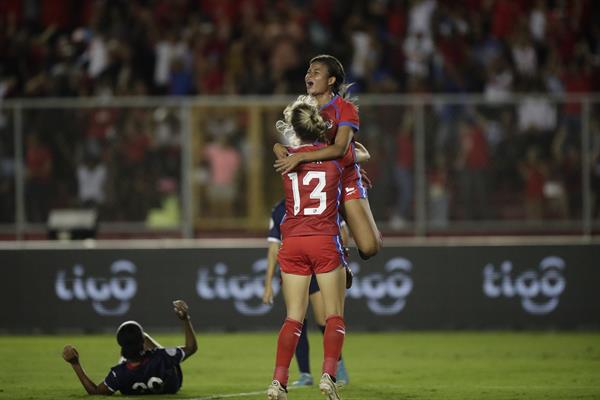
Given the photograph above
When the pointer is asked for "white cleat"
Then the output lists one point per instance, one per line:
(276, 391)
(328, 388)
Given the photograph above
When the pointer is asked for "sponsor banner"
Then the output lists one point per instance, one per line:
(442, 287)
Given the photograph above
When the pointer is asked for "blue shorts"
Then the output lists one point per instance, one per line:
(314, 286)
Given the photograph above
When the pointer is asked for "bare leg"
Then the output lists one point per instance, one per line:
(295, 293)
(333, 288)
(362, 226)
(318, 308)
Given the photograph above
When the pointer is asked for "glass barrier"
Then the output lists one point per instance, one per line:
(7, 167)
(439, 164)
(125, 162)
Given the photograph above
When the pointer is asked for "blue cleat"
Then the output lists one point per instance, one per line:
(342, 374)
(305, 379)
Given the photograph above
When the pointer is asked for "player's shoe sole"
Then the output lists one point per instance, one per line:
(276, 391)
(328, 388)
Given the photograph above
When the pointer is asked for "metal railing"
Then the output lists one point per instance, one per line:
(441, 164)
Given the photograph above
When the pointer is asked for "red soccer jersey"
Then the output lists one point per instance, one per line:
(313, 193)
(339, 112)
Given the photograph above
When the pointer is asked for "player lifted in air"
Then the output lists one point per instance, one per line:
(325, 83)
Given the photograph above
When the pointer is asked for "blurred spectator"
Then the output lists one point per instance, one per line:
(418, 50)
(224, 162)
(537, 22)
(420, 14)
(473, 163)
(91, 182)
(169, 52)
(7, 174)
(499, 82)
(209, 47)
(524, 55)
(236, 47)
(403, 172)
(438, 192)
(38, 161)
(537, 114)
(534, 172)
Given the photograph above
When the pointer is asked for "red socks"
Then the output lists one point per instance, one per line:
(286, 345)
(333, 340)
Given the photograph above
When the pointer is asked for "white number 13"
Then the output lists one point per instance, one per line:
(316, 194)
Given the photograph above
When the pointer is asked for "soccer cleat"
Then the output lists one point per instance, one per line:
(305, 379)
(328, 387)
(276, 391)
(342, 374)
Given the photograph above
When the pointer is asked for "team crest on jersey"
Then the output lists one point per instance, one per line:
(329, 124)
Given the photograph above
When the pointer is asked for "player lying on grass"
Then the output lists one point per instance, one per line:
(146, 367)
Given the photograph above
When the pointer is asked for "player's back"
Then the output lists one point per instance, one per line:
(158, 372)
(312, 195)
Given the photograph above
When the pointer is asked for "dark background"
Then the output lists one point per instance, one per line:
(446, 293)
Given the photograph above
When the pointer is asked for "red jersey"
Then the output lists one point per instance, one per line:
(339, 112)
(313, 192)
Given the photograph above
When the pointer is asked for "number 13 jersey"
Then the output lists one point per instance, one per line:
(313, 192)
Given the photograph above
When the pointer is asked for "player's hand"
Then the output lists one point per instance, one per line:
(268, 295)
(181, 310)
(349, 277)
(285, 165)
(280, 151)
(365, 178)
(70, 354)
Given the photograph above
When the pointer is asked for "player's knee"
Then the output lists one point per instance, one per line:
(369, 249)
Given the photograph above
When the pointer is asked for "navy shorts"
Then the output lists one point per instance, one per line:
(314, 286)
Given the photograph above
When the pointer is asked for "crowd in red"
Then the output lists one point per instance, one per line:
(476, 156)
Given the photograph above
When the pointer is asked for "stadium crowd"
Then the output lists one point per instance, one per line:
(475, 155)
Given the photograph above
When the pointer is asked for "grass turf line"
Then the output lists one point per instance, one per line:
(404, 366)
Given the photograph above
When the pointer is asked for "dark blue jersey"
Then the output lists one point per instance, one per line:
(277, 216)
(158, 372)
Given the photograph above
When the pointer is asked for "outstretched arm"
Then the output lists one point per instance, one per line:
(181, 310)
(71, 356)
(331, 152)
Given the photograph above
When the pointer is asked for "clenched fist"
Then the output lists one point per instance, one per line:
(181, 309)
(70, 354)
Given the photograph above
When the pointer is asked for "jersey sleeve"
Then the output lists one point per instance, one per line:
(275, 223)
(349, 116)
(349, 158)
(176, 354)
(111, 381)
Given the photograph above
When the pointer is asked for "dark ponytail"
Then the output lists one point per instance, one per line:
(335, 69)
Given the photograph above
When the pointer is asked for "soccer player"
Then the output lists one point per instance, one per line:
(315, 298)
(146, 367)
(325, 82)
(311, 244)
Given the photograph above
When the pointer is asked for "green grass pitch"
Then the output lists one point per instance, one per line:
(415, 365)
